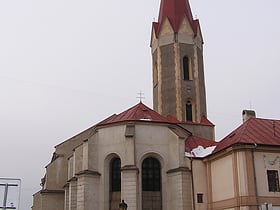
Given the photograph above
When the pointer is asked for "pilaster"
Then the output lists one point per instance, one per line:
(129, 189)
(88, 190)
(72, 194)
(179, 187)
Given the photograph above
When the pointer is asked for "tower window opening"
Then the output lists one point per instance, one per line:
(155, 76)
(186, 68)
(189, 111)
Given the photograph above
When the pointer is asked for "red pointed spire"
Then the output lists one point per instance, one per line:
(175, 11)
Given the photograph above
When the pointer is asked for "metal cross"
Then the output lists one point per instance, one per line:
(141, 96)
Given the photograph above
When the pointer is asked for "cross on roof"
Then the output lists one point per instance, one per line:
(141, 96)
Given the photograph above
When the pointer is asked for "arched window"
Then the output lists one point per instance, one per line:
(115, 172)
(186, 68)
(151, 184)
(189, 111)
(151, 179)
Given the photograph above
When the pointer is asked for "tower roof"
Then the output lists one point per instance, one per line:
(175, 11)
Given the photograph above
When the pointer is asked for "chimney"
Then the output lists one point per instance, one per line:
(247, 114)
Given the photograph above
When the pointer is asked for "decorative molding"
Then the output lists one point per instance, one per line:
(52, 191)
(179, 169)
(130, 130)
(271, 162)
(73, 179)
(130, 168)
(88, 172)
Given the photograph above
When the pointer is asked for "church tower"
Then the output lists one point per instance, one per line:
(177, 56)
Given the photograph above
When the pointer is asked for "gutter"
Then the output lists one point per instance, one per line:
(255, 174)
(193, 197)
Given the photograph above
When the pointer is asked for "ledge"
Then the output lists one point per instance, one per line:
(52, 191)
(88, 172)
(130, 168)
(180, 169)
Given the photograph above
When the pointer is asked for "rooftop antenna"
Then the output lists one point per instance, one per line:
(141, 96)
(250, 105)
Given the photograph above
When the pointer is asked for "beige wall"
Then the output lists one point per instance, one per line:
(200, 183)
(48, 200)
(222, 179)
(56, 174)
(154, 140)
(242, 180)
(266, 161)
(232, 177)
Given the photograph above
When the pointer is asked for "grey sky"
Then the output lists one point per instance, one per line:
(65, 65)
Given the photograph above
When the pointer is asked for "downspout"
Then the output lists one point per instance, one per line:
(193, 195)
(255, 174)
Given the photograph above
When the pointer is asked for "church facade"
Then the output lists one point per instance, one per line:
(167, 157)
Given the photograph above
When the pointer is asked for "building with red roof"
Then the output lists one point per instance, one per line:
(167, 157)
(242, 170)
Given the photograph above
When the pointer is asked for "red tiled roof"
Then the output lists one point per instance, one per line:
(172, 119)
(175, 11)
(205, 121)
(136, 113)
(193, 142)
(253, 131)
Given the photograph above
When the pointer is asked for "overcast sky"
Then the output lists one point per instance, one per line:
(65, 65)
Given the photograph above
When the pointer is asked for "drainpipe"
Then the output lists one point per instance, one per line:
(255, 174)
(193, 197)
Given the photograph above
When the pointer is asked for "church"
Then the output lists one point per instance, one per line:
(166, 157)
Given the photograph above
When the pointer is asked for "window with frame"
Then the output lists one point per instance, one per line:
(189, 111)
(115, 175)
(199, 198)
(151, 178)
(273, 181)
(186, 68)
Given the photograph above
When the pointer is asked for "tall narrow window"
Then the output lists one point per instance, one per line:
(116, 175)
(151, 175)
(199, 198)
(115, 184)
(189, 111)
(151, 184)
(155, 74)
(273, 181)
(186, 68)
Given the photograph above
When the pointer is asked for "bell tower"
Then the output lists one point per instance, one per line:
(177, 59)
